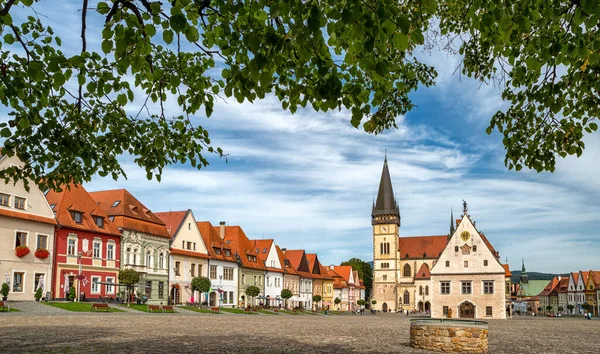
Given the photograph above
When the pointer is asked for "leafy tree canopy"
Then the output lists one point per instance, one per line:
(72, 114)
(316, 298)
(201, 284)
(360, 302)
(286, 294)
(337, 301)
(253, 290)
(373, 302)
(364, 272)
(129, 277)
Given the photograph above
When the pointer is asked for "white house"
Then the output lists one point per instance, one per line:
(274, 278)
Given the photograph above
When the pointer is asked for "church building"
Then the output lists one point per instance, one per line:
(454, 275)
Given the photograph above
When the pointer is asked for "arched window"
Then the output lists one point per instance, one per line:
(406, 271)
(161, 260)
(148, 259)
(128, 255)
(135, 257)
(426, 289)
(406, 297)
(381, 248)
(387, 244)
(420, 290)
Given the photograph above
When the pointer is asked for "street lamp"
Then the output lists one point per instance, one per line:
(79, 254)
(220, 290)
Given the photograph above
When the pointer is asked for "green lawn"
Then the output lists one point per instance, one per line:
(198, 309)
(11, 310)
(237, 311)
(76, 306)
(266, 312)
(142, 308)
(291, 312)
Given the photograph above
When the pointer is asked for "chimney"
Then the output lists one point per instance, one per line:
(222, 229)
(283, 250)
(559, 277)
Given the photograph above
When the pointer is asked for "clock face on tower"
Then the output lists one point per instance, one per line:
(384, 229)
(465, 235)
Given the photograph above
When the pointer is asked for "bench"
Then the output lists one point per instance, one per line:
(152, 308)
(247, 309)
(100, 306)
(215, 310)
(276, 311)
(168, 308)
(4, 307)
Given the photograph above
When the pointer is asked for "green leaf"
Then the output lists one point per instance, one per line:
(403, 23)
(388, 27)
(107, 46)
(36, 70)
(400, 41)
(122, 99)
(533, 63)
(168, 36)
(192, 34)
(150, 30)
(24, 123)
(430, 6)
(5, 133)
(593, 126)
(178, 22)
(9, 38)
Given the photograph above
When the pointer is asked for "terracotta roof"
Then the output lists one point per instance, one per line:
(313, 265)
(344, 272)
(489, 245)
(74, 198)
(563, 285)
(324, 272)
(172, 220)
(421, 246)
(189, 253)
(550, 287)
(597, 278)
(575, 277)
(129, 213)
(423, 272)
(585, 277)
(507, 272)
(242, 247)
(332, 273)
(262, 248)
(26, 216)
(212, 240)
(288, 268)
(298, 260)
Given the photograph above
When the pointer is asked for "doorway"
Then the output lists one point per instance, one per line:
(384, 307)
(466, 310)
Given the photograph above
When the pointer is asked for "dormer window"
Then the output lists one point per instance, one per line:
(99, 221)
(117, 202)
(77, 216)
(264, 250)
(112, 218)
(19, 203)
(217, 251)
(52, 206)
(227, 253)
(133, 208)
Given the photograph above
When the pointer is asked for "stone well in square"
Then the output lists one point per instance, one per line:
(445, 335)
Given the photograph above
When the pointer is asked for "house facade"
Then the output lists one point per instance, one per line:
(85, 239)
(300, 263)
(590, 291)
(222, 265)
(423, 284)
(318, 278)
(267, 253)
(145, 242)
(328, 298)
(188, 255)
(26, 222)
(291, 279)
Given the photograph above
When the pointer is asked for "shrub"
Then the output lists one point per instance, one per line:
(337, 301)
(72, 293)
(374, 302)
(360, 302)
(201, 284)
(38, 294)
(316, 298)
(5, 290)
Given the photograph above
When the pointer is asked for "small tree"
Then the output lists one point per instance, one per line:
(201, 284)
(72, 293)
(129, 277)
(285, 295)
(540, 309)
(586, 307)
(253, 291)
(518, 312)
(549, 308)
(529, 308)
(5, 290)
(337, 301)
(360, 302)
(560, 309)
(38, 294)
(570, 308)
(373, 302)
(316, 299)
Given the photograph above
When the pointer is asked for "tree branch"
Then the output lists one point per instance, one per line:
(83, 48)
(7, 7)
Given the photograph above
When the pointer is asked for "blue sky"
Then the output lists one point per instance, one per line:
(308, 180)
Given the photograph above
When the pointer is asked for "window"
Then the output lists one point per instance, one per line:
(420, 290)
(488, 311)
(199, 270)
(384, 277)
(177, 266)
(485, 262)
(193, 270)
(148, 259)
(385, 265)
(465, 287)
(406, 297)
(77, 216)
(488, 287)
(445, 287)
(255, 280)
(161, 289)
(42, 242)
(189, 245)
(447, 263)
(135, 252)
(95, 285)
(213, 272)
(110, 251)
(182, 245)
(161, 260)
(227, 253)
(21, 239)
(243, 278)
(99, 221)
(406, 272)
(189, 225)
(384, 248)
(227, 273)
(115, 203)
(455, 248)
(4, 199)
(231, 297)
(474, 248)
(466, 264)
(194, 246)
(109, 288)
(19, 203)
(71, 247)
(18, 279)
(36, 280)
(149, 289)
(97, 246)
(445, 310)
(426, 290)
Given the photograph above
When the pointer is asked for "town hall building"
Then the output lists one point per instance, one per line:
(456, 275)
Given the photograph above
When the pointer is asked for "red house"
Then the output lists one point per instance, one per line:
(87, 246)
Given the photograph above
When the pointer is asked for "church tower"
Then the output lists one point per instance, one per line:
(385, 218)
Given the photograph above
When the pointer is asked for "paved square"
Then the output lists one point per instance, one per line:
(192, 333)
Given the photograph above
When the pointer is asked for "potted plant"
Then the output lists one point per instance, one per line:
(41, 253)
(21, 251)
(38, 294)
(5, 290)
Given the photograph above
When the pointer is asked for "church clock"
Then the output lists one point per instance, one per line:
(465, 236)
(384, 229)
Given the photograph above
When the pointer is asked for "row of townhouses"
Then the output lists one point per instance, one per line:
(79, 239)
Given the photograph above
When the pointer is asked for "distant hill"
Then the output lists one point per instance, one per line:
(516, 276)
(371, 264)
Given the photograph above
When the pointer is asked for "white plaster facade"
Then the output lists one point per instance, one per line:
(226, 283)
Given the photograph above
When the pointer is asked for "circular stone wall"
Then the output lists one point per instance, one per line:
(449, 335)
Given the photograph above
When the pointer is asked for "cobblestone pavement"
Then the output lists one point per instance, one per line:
(36, 307)
(116, 333)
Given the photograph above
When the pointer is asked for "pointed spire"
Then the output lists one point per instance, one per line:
(386, 202)
(524, 278)
(451, 222)
(523, 265)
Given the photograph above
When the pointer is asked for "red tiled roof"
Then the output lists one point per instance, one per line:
(507, 272)
(563, 285)
(597, 278)
(26, 216)
(585, 276)
(212, 240)
(324, 272)
(550, 287)
(129, 213)
(263, 246)
(421, 246)
(344, 272)
(313, 265)
(241, 245)
(575, 277)
(172, 220)
(423, 272)
(75, 198)
(295, 257)
(283, 260)
(489, 245)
